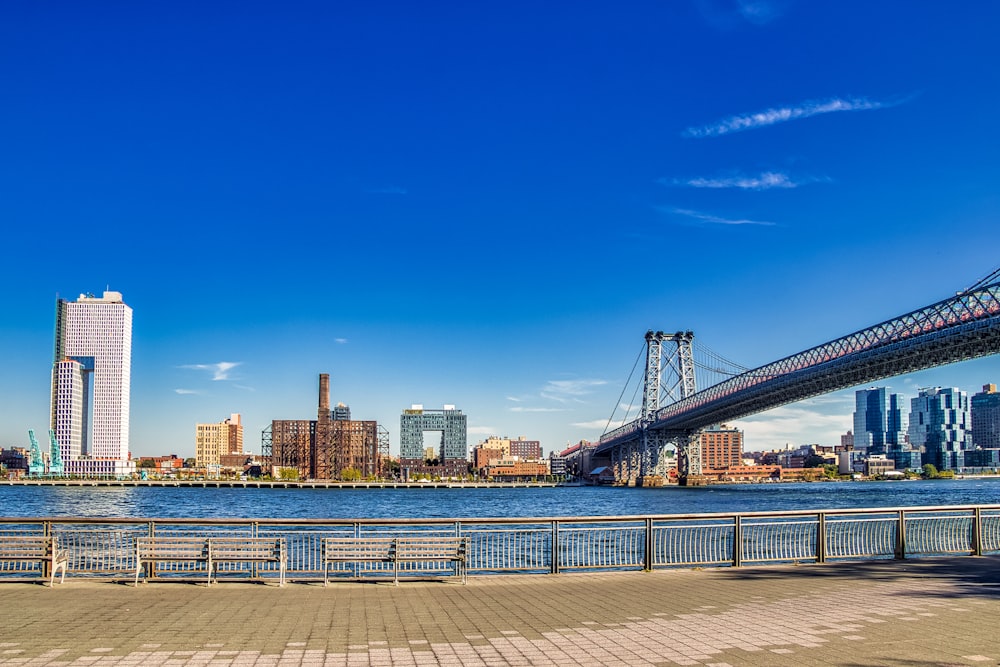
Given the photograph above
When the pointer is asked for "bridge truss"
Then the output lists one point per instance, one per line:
(963, 327)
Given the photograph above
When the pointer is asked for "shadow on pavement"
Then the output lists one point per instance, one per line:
(978, 576)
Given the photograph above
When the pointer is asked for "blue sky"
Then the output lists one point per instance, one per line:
(484, 206)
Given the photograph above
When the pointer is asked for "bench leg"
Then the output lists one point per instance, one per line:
(61, 568)
(138, 569)
(281, 575)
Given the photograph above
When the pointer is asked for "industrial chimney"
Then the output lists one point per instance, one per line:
(324, 396)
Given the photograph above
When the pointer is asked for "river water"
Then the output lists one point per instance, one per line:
(201, 502)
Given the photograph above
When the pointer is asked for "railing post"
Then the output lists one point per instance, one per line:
(648, 557)
(254, 532)
(554, 565)
(150, 566)
(977, 532)
(458, 533)
(47, 532)
(737, 541)
(821, 538)
(901, 535)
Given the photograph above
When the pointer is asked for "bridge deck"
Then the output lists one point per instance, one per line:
(925, 612)
(963, 327)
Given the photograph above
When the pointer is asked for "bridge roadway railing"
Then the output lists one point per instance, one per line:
(105, 548)
(962, 327)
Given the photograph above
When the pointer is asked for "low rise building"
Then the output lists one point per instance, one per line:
(878, 465)
(213, 441)
(515, 468)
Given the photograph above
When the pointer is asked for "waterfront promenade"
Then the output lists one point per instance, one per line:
(914, 613)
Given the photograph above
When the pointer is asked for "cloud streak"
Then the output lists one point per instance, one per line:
(220, 370)
(713, 219)
(186, 392)
(764, 181)
(594, 424)
(797, 424)
(775, 115)
(519, 408)
(565, 391)
(759, 12)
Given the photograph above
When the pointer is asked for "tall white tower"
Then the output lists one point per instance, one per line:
(91, 375)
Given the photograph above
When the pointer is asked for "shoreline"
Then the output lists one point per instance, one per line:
(280, 484)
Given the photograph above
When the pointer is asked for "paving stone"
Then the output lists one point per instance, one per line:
(934, 611)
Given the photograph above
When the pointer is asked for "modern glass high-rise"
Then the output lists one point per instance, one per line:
(449, 421)
(880, 421)
(986, 418)
(940, 426)
(91, 374)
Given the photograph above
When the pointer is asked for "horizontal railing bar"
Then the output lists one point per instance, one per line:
(494, 520)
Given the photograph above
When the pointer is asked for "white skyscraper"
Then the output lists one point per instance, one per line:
(90, 384)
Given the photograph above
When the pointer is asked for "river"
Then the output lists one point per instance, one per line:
(200, 502)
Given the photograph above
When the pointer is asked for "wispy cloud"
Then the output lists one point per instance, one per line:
(759, 12)
(388, 190)
(594, 424)
(514, 398)
(776, 115)
(730, 15)
(244, 387)
(340, 341)
(481, 430)
(763, 181)
(220, 370)
(565, 391)
(521, 408)
(712, 219)
(798, 424)
(185, 392)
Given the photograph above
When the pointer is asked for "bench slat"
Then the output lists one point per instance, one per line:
(43, 549)
(394, 550)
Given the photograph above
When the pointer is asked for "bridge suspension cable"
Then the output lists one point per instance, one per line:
(984, 281)
(714, 367)
(618, 403)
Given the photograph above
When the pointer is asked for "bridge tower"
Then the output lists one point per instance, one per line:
(680, 364)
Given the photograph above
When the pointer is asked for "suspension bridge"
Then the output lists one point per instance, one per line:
(674, 411)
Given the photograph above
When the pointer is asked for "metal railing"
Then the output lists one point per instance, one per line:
(106, 547)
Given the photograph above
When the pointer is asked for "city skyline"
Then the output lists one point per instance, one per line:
(485, 208)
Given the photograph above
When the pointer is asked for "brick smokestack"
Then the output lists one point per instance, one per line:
(324, 394)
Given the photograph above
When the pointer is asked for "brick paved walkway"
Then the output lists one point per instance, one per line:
(913, 614)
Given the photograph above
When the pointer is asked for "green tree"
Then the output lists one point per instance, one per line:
(814, 461)
(147, 463)
(350, 474)
(190, 462)
(288, 473)
(930, 471)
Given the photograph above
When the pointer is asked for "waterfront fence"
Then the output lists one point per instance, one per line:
(105, 547)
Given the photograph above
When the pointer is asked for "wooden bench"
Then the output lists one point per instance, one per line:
(41, 549)
(357, 550)
(432, 549)
(248, 550)
(171, 548)
(395, 550)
